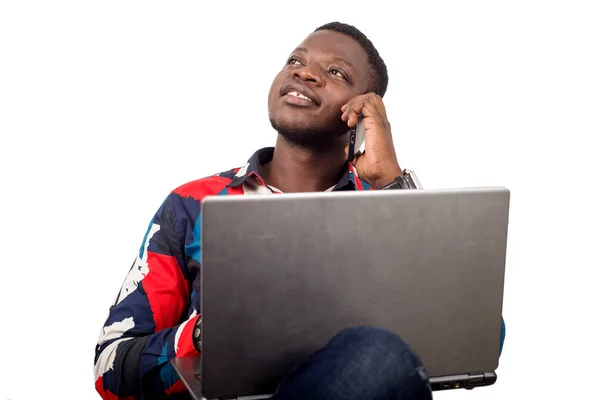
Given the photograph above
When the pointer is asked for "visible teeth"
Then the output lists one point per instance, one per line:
(299, 95)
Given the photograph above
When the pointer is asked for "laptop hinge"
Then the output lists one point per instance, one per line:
(476, 378)
(481, 379)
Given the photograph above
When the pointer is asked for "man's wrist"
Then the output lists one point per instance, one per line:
(388, 178)
(407, 180)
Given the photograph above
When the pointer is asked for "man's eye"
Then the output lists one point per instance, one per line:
(337, 73)
(293, 61)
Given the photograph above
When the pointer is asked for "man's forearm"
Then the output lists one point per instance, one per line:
(132, 367)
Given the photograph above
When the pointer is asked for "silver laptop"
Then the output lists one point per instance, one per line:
(282, 274)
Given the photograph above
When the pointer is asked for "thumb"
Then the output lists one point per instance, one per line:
(358, 160)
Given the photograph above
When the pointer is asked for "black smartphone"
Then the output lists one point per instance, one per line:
(357, 139)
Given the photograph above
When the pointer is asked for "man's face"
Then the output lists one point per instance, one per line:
(321, 75)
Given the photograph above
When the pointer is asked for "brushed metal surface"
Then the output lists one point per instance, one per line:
(186, 368)
(283, 274)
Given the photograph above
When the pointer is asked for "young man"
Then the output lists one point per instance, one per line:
(332, 77)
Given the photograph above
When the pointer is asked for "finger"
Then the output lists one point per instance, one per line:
(347, 109)
(353, 118)
(350, 117)
(369, 105)
(374, 108)
(354, 100)
(368, 109)
(377, 102)
(355, 105)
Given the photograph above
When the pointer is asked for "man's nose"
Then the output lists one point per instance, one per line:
(309, 74)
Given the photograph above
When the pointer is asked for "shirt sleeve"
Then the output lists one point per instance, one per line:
(148, 323)
(502, 335)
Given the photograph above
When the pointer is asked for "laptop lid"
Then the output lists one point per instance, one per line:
(283, 274)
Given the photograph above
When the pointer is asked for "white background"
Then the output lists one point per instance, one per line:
(107, 106)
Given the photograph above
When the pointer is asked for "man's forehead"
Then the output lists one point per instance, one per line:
(335, 45)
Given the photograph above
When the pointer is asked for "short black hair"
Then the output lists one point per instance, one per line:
(379, 75)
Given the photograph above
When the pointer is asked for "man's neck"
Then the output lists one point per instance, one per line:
(297, 169)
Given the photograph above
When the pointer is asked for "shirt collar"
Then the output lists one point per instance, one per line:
(252, 170)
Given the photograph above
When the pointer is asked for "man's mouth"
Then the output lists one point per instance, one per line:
(300, 95)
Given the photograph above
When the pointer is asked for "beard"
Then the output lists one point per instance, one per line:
(309, 136)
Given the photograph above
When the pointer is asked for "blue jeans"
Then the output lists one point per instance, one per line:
(362, 363)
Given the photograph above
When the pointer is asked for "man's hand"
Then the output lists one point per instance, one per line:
(378, 164)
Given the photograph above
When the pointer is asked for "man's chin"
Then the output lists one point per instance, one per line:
(307, 136)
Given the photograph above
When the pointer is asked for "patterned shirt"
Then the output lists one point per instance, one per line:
(152, 319)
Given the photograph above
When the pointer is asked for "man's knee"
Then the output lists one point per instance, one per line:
(359, 363)
(383, 357)
(375, 341)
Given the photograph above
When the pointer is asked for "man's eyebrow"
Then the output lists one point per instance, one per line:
(334, 58)
(342, 61)
(301, 49)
